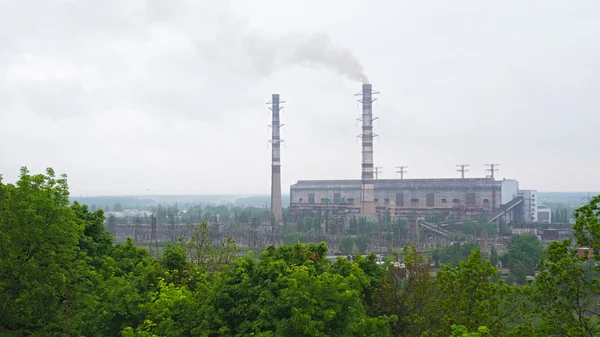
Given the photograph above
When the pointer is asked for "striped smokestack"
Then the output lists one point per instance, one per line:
(276, 207)
(367, 187)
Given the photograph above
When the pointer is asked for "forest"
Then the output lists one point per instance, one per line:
(61, 274)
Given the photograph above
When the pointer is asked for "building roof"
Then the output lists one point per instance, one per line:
(383, 183)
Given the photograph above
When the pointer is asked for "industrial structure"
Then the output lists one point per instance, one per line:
(410, 198)
(276, 204)
(367, 135)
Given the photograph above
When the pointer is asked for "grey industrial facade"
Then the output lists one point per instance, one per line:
(480, 194)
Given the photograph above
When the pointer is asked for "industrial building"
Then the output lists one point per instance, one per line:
(410, 198)
(468, 197)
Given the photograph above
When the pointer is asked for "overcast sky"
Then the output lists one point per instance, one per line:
(168, 97)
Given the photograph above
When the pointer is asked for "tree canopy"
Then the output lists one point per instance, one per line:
(62, 275)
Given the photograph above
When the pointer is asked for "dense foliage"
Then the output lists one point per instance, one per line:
(61, 275)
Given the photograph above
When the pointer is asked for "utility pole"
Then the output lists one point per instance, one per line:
(401, 171)
(492, 169)
(463, 169)
(377, 171)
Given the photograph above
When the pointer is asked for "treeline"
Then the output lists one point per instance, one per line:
(61, 275)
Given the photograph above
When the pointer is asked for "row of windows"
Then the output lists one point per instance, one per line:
(399, 200)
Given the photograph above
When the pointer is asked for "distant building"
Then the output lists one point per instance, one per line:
(400, 195)
(584, 250)
(522, 231)
(550, 235)
(529, 205)
(399, 198)
(544, 214)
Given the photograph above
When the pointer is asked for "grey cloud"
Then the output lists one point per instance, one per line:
(250, 52)
(56, 98)
(174, 91)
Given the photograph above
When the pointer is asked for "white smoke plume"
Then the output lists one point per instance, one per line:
(249, 52)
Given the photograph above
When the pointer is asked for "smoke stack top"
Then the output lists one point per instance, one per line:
(367, 86)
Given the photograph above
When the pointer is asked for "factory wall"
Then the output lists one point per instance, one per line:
(413, 193)
(510, 190)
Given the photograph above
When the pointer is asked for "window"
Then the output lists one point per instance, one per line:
(376, 199)
(350, 201)
(414, 202)
(444, 201)
(337, 198)
(399, 199)
(300, 200)
(323, 200)
(486, 201)
(311, 198)
(456, 201)
(386, 201)
(429, 200)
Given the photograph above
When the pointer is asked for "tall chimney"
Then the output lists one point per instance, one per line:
(367, 187)
(276, 207)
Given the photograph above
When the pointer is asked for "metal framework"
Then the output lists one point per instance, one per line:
(492, 169)
(401, 171)
(462, 169)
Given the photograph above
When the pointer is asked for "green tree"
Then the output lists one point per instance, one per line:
(202, 251)
(563, 298)
(494, 256)
(469, 297)
(39, 236)
(406, 291)
(288, 293)
(362, 243)
(346, 245)
(118, 208)
(174, 258)
(453, 254)
(565, 294)
(96, 242)
(524, 253)
(461, 331)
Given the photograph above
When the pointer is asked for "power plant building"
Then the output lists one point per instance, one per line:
(412, 198)
(468, 196)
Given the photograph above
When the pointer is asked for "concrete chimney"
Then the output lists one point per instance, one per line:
(367, 187)
(276, 204)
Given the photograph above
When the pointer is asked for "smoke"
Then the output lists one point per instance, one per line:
(250, 52)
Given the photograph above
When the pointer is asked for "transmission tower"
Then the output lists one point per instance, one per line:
(378, 170)
(401, 171)
(492, 169)
(136, 229)
(153, 238)
(463, 168)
